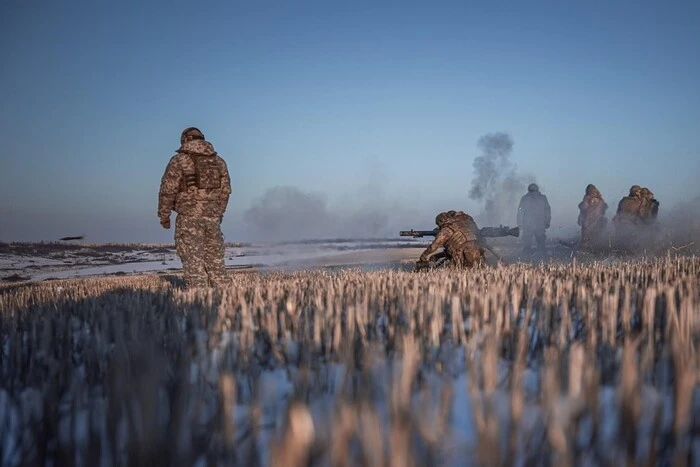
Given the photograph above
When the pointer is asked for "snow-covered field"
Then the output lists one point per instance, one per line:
(61, 261)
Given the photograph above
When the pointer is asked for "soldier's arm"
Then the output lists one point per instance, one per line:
(438, 242)
(225, 186)
(547, 213)
(169, 186)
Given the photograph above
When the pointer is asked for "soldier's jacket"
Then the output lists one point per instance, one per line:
(629, 210)
(534, 211)
(196, 182)
(592, 209)
(649, 208)
(454, 236)
(464, 220)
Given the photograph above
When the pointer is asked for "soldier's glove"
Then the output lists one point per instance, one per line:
(165, 222)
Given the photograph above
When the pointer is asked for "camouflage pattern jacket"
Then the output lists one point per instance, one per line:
(454, 236)
(592, 209)
(196, 182)
(649, 208)
(534, 211)
(629, 210)
(464, 220)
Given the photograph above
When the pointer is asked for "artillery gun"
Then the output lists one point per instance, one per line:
(439, 259)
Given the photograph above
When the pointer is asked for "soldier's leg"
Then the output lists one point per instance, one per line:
(540, 238)
(458, 259)
(526, 238)
(585, 236)
(188, 235)
(473, 257)
(214, 253)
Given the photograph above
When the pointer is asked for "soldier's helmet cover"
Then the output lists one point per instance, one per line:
(190, 134)
(646, 193)
(441, 218)
(635, 190)
(533, 187)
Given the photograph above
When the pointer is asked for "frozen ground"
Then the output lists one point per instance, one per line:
(38, 262)
(31, 262)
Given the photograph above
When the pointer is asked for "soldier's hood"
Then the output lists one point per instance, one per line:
(591, 190)
(197, 147)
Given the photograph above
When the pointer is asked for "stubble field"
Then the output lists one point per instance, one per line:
(550, 364)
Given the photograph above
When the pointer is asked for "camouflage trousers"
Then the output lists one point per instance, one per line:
(200, 246)
(593, 237)
(468, 257)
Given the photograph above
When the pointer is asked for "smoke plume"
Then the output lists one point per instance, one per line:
(496, 182)
(285, 213)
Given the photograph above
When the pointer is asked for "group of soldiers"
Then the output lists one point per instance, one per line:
(458, 232)
(196, 185)
(634, 223)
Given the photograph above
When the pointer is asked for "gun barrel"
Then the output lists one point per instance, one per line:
(417, 233)
(499, 232)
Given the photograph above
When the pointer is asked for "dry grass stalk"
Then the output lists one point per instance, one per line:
(130, 368)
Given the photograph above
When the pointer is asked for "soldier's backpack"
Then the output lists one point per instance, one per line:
(207, 173)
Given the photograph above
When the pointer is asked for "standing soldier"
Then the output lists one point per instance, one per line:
(591, 217)
(628, 219)
(196, 185)
(534, 217)
(458, 240)
(648, 211)
(650, 206)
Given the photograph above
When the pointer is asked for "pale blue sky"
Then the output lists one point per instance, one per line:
(318, 95)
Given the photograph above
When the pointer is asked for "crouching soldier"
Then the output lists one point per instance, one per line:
(458, 240)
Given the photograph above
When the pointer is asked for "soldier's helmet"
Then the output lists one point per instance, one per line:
(190, 133)
(441, 218)
(635, 190)
(533, 187)
(646, 193)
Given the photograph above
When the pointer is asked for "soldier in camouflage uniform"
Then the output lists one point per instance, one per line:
(534, 218)
(647, 212)
(591, 217)
(628, 220)
(458, 240)
(650, 206)
(196, 185)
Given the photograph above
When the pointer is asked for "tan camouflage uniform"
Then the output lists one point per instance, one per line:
(650, 207)
(591, 216)
(647, 212)
(196, 185)
(534, 217)
(628, 219)
(458, 240)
